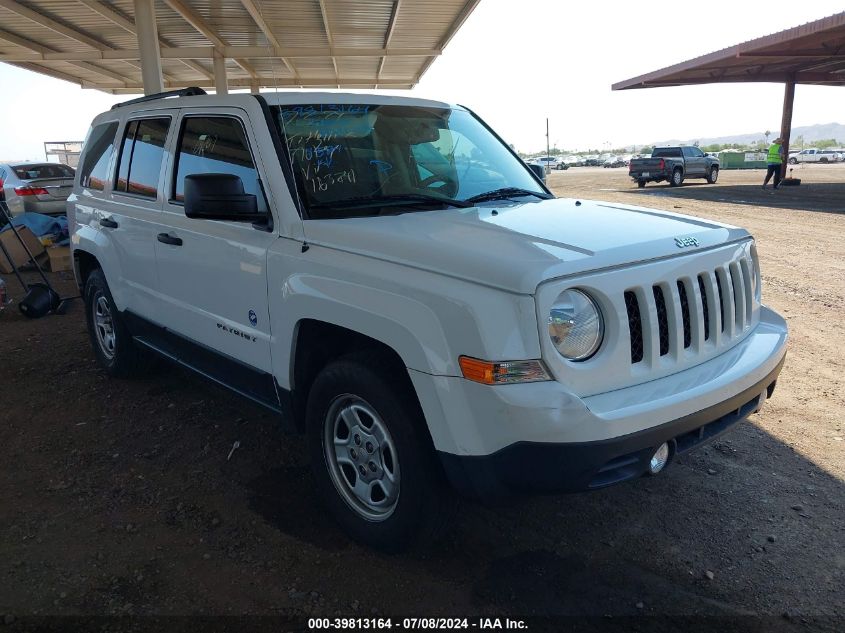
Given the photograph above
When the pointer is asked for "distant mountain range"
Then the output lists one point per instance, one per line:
(811, 133)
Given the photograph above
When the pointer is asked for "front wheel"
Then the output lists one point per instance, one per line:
(713, 176)
(793, 161)
(677, 178)
(371, 457)
(641, 184)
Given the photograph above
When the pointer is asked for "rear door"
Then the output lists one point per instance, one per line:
(212, 274)
(129, 218)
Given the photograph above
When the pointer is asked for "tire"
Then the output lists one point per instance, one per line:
(641, 184)
(677, 178)
(713, 176)
(362, 419)
(113, 346)
(823, 160)
(792, 161)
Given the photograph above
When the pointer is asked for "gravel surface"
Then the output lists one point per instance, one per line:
(121, 497)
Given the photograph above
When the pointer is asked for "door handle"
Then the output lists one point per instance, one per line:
(164, 238)
(108, 223)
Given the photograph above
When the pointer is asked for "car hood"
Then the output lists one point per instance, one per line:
(516, 246)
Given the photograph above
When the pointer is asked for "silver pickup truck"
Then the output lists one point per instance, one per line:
(674, 164)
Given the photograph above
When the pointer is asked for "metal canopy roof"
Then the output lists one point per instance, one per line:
(263, 43)
(813, 53)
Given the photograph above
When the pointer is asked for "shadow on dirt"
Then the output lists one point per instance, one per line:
(823, 197)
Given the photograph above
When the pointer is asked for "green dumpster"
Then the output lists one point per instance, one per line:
(742, 160)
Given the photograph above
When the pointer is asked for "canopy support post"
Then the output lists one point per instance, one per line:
(145, 24)
(786, 122)
(221, 86)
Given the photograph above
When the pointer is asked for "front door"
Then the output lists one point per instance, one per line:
(212, 274)
(693, 162)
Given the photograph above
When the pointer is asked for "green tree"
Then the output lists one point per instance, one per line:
(827, 143)
(646, 150)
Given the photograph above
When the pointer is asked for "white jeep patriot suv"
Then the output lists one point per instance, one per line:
(397, 284)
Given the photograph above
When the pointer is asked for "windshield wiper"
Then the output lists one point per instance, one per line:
(394, 199)
(506, 192)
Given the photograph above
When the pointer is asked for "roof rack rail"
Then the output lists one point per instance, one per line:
(182, 92)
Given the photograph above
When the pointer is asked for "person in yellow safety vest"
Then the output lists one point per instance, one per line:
(774, 160)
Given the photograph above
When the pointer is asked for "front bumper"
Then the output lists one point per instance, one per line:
(540, 436)
(571, 467)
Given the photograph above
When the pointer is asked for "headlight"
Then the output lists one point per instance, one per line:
(575, 325)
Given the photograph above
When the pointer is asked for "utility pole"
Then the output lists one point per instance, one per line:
(548, 167)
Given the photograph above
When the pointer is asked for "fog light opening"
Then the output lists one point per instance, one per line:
(659, 459)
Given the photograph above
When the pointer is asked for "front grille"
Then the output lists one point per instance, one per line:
(678, 316)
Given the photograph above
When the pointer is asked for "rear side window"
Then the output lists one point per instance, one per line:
(666, 152)
(94, 167)
(215, 145)
(141, 156)
(45, 170)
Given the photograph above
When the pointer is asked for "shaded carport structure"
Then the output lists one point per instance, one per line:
(132, 46)
(813, 53)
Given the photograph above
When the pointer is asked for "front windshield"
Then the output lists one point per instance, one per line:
(350, 158)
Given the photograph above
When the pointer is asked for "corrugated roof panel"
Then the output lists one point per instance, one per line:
(365, 67)
(294, 24)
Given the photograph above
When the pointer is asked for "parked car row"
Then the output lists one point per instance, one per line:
(565, 162)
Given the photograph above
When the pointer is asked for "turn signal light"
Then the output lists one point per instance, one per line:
(490, 373)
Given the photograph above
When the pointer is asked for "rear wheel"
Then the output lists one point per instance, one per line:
(113, 346)
(823, 160)
(371, 456)
(677, 178)
(713, 176)
(641, 184)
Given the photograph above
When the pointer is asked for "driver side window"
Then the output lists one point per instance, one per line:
(215, 145)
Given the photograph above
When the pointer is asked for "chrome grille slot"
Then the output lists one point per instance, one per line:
(726, 294)
(635, 326)
(745, 266)
(682, 294)
(662, 319)
(721, 302)
(739, 295)
(705, 308)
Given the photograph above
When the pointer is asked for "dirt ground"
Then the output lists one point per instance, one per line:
(122, 497)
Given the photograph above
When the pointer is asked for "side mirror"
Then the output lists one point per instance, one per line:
(220, 197)
(538, 170)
